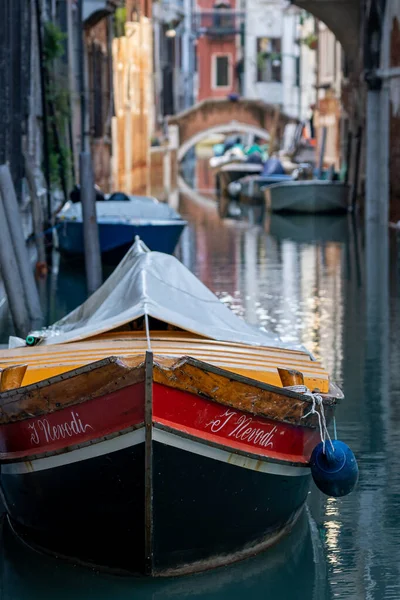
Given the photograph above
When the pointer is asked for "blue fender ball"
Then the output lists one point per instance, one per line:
(335, 473)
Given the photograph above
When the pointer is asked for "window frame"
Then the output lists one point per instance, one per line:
(215, 56)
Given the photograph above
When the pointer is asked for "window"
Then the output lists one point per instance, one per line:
(269, 60)
(221, 71)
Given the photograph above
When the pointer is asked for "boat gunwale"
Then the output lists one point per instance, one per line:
(306, 183)
(11, 397)
(131, 221)
(327, 398)
(184, 359)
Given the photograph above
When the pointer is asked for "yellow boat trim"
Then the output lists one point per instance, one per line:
(252, 361)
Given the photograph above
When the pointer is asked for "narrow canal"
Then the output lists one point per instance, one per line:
(303, 278)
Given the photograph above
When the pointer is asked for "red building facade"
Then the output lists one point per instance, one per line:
(218, 52)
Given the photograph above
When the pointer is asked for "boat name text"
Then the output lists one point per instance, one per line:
(242, 431)
(43, 431)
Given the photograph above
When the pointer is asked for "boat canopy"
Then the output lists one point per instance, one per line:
(160, 286)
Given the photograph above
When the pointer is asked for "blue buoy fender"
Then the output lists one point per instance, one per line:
(335, 471)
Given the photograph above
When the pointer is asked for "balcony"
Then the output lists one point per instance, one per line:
(219, 22)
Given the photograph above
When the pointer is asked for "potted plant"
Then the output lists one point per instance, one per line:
(311, 40)
(275, 57)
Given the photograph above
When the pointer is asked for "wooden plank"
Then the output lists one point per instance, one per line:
(256, 362)
(138, 337)
(233, 358)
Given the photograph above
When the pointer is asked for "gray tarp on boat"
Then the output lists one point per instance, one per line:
(160, 286)
(138, 209)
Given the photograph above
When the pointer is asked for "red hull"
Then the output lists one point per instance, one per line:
(177, 411)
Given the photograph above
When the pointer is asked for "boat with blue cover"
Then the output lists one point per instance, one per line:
(157, 224)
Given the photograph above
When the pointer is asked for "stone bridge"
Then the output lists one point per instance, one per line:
(211, 116)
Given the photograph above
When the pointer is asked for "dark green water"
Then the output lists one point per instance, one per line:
(306, 280)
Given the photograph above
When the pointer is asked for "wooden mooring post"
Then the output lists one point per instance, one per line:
(11, 277)
(24, 268)
(91, 240)
(37, 212)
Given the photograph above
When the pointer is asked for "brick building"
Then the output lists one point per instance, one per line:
(217, 26)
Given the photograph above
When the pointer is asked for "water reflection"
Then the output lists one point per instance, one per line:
(303, 278)
(28, 575)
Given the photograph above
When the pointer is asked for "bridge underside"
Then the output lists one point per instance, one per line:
(343, 19)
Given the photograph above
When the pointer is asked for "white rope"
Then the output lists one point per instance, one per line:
(146, 320)
(317, 402)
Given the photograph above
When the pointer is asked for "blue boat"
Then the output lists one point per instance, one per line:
(157, 224)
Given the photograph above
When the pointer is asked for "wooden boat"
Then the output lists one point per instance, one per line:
(307, 196)
(158, 225)
(152, 431)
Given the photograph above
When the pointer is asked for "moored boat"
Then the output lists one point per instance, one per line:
(157, 224)
(312, 196)
(229, 174)
(153, 431)
(250, 189)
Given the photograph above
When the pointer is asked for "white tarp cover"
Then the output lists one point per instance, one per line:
(160, 286)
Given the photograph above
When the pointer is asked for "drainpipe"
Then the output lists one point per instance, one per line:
(187, 51)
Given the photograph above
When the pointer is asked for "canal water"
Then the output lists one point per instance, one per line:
(305, 279)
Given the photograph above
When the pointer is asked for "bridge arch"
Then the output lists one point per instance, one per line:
(219, 115)
(232, 127)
